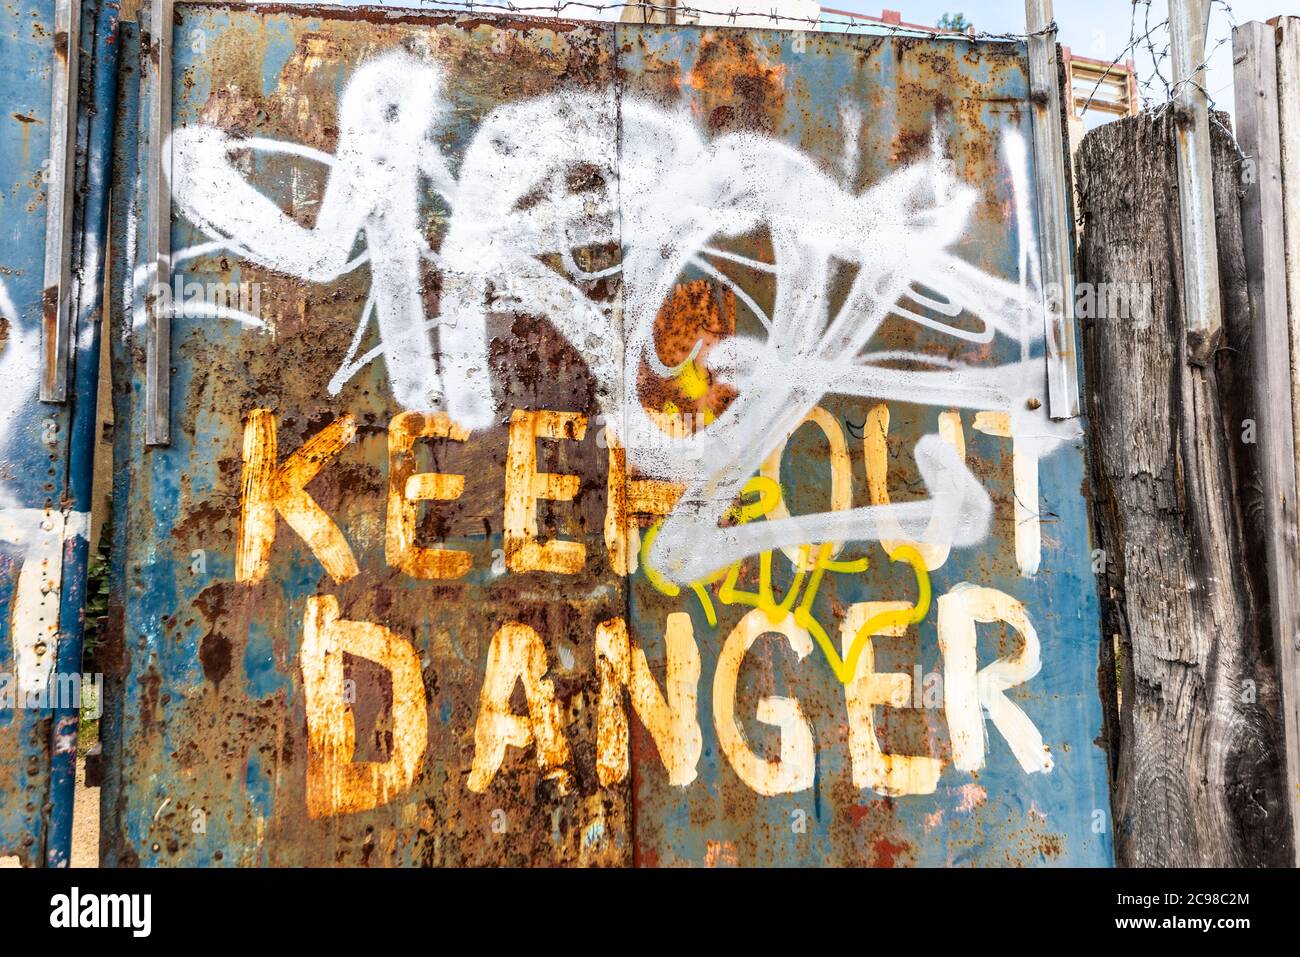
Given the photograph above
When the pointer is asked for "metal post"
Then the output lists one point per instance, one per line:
(1187, 25)
(158, 227)
(56, 332)
(1053, 213)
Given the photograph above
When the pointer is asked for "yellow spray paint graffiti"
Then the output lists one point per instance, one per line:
(769, 495)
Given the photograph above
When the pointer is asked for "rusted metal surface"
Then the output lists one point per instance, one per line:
(380, 607)
(50, 274)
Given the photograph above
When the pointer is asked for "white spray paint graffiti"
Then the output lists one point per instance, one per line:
(667, 197)
(19, 368)
(34, 621)
(35, 535)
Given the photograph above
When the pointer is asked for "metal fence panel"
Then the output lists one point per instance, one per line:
(910, 185)
(486, 337)
(50, 274)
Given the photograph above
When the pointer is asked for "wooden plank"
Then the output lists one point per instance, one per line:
(1195, 189)
(1259, 134)
(1053, 213)
(1288, 93)
(1288, 80)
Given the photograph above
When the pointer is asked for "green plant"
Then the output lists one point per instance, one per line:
(954, 21)
(95, 618)
(96, 607)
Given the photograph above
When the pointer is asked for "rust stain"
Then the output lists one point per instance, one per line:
(697, 317)
(887, 852)
(738, 87)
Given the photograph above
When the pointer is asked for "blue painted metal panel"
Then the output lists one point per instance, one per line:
(684, 242)
(45, 448)
(25, 57)
(865, 110)
(199, 768)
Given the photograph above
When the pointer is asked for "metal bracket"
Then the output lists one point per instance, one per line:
(157, 238)
(56, 315)
(1053, 214)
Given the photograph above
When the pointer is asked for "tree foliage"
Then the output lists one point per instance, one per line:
(954, 21)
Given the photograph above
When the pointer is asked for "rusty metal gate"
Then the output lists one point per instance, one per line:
(584, 443)
(58, 73)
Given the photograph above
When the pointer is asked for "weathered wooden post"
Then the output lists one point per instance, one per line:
(1196, 744)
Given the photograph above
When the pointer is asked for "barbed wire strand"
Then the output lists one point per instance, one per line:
(876, 28)
(1194, 80)
(1132, 43)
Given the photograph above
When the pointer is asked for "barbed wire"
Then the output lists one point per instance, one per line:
(1194, 80)
(1123, 54)
(1147, 38)
(734, 15)
(1158, 57)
